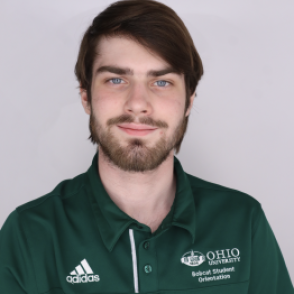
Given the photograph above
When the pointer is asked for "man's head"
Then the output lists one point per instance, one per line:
(130, 47)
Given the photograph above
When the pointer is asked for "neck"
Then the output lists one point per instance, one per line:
(146, 197)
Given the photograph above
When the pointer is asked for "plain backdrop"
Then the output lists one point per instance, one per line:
(240, 132)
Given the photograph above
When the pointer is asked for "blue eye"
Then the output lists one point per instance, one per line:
(116, 81)
(162, 83)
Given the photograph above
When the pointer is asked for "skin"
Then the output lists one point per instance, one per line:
(145, 196)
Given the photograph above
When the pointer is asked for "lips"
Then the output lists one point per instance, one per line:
(136, 130)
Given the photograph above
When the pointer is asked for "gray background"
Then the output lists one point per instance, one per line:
(241, 127)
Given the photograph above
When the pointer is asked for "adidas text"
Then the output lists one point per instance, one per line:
(83, 279)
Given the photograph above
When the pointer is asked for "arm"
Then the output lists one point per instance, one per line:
(15, 271)
(268, 273)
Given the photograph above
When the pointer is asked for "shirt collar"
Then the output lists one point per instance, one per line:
(112, 221)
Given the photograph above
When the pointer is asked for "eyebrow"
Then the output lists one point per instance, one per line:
(128, 71)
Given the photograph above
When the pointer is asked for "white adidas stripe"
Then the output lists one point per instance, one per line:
(73, 273)
(82, 269)
(87, 267)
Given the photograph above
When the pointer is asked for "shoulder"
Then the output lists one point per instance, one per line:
(217, 195)
(37, 221)
(58, 197)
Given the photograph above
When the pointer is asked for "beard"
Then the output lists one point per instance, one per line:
(136, 156)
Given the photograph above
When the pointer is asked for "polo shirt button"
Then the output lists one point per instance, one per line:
(146, 245)
(148, 269)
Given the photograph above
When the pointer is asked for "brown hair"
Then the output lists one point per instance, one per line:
(152, 24)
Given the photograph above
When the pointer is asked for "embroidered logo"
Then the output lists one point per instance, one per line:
(193, 258)
(82, 274)
(224, 256)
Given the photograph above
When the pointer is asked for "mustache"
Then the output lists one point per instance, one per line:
(125, 118)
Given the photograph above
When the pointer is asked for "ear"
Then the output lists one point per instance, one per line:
(191, 100)
(85, 101)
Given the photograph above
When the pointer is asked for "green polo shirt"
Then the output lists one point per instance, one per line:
(76, 240)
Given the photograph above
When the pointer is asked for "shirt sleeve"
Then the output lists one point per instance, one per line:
(15, 272)
(268, 273)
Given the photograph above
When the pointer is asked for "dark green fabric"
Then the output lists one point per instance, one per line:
(222, 231)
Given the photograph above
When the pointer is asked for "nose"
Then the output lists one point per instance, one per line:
(138, 100)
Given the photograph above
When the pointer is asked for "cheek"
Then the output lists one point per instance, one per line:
(105, 104)
(171, 109)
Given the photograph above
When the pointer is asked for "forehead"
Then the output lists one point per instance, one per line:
(125, 52)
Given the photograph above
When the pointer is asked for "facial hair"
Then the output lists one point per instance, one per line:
(136, 156)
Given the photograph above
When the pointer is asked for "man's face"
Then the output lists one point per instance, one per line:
(137, 111)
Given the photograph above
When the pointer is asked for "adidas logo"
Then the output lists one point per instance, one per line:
(82, 274)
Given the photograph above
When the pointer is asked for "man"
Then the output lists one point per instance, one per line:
(135, 221)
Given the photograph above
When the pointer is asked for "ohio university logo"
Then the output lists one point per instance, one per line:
(224, 256)
(193, 258)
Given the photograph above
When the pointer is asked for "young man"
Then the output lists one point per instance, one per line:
(135, 221)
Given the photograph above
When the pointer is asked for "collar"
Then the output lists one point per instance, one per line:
(112, 221)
